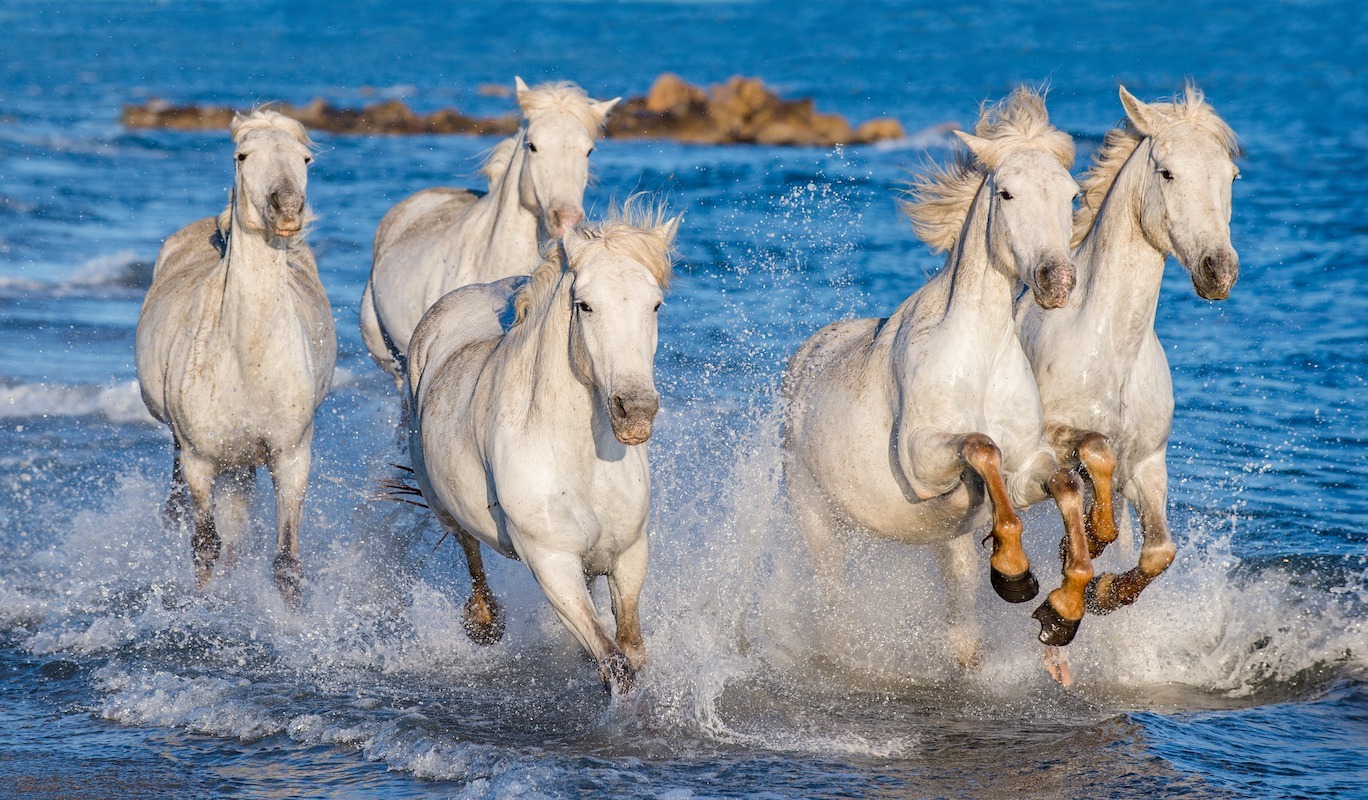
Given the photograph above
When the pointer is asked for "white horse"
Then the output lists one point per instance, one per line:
(921, 426)
(442, 239)
(235, 349)
(1159, 184)
(531, 440)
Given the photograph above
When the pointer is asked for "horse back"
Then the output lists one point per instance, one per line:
(429, 211)
(478, 314)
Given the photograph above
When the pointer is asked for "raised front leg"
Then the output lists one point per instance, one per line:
(290, 474)
(624, 584)
(481, 615)
(1009, 568)
(1093, 452)
(561, 576)
(1148, 490)
(1063, 609)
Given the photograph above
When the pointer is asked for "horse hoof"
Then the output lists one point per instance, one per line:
(617, 673)
(484, 624)
(1017, 589)
(1055, 631)
(288, 577)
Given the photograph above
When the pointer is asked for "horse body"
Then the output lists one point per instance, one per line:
(1160, 184)
(441, 239)
(528, 438)
(920, 427)
(235, 349)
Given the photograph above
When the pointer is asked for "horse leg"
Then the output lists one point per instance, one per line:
(1149, 484)
(480, 616)
(232, 494)
(290, 473)
(1063, 608)
(199, 475)
(179, 509)
(624, 584)
(1009, 568)
(957, 561)
(561, 576)
(1094, 452)
(827, 552)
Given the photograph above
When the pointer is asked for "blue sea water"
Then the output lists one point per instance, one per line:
(1242, 673)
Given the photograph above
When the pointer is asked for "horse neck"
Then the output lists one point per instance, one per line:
(1120, 270)
(538, 375)
(977, 288)
(256, 280)
(508, 220)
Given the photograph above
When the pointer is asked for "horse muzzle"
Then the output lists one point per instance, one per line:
(1054, 282)
(285, 212)
(1215, 274)
(633, 415)
(562, 219)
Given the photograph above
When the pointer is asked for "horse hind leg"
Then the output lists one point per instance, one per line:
(1009, 568)
(481, 616)
(1062, 611)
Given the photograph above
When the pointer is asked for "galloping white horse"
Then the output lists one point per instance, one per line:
(915, 427)
(442, 239)
(531, 440)
(1159, 184)
(235, 349)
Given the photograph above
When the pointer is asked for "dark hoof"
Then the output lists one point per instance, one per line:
(288, 577)
(617, 673)
(483, 623)
(1055, 631)
(1018, 589)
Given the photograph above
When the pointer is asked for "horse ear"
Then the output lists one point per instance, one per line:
(981, 148)
(1146, 119)
(602, 107)
(518, 85)
(571, 238)
(667, 230)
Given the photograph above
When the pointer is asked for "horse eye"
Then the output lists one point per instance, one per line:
(308, 159)
(531, 147)
(1165, 174)
(1237, 176)
(657, 306)
(583, 306)
(242, 156)
(1004, 194)
(591, 151)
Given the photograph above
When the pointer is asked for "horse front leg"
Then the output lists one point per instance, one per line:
(1009, 568)
(481, 616)
(1062, 611)
(290, 474)
(561, 576)
(957, 561)
(1148, 489)
(827, 552)
(199, 475)
(1094, 453)
(179, 509)
(232, 495)
(624, 585)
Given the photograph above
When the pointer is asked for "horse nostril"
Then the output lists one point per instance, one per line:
(619, 410)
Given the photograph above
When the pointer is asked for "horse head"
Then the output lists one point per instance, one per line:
(1031, 193)
(272, 155)
(1187, 194)
(621, 271)
(560, 125)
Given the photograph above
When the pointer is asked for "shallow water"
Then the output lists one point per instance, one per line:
(1241, 673)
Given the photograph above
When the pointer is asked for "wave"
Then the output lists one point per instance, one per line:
(120, 403)
(124, 271)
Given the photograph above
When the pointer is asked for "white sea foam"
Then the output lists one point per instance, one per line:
(118, 402)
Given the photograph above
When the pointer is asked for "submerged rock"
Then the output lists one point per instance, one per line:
(740, 111)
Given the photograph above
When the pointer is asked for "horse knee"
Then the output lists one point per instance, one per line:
(1154, 560)
(981, 452)
(1065, 485)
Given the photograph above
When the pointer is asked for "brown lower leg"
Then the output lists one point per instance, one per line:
(206, 544)
(482, 617)
(1096, 456)
(1067, 490)
(983, 456)
(1111, 591)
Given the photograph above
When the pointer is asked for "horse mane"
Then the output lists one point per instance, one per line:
(264, 119)
(564, 97)
(938, 200)
(498, 159)
(1121, 141)
(631, 231)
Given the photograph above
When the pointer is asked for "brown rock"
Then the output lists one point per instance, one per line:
(876, 130)
(671, 94)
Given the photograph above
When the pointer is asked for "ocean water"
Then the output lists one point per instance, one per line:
(1243, 672)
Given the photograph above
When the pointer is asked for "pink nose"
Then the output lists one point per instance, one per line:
(563, 219)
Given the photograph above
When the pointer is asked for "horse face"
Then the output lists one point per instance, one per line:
(613, 341)
(1031, 218)
(272, 177)
(555, 170)
(1187, 207)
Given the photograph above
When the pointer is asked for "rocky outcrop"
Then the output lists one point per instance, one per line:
(740, 111)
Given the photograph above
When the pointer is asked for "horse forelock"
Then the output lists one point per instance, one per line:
(938, 200)
(265, 119)
(1188, 108)
(562, 97)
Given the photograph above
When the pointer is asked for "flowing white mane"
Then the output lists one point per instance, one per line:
(498, 159)
(1117, 146)
(629, 231)
(939, 200)
(561, 97)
